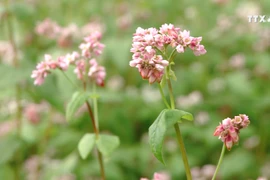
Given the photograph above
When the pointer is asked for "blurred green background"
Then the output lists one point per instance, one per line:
(230, 79)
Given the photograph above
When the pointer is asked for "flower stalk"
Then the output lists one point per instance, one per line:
(179, 136)
(219, 161)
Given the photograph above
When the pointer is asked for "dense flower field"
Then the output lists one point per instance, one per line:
(122, 90)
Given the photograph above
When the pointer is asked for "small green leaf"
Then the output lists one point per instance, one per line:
(166, 119)
(163, 81)
(77, 100)
(86, 145)
(172, 75)
(107, 143)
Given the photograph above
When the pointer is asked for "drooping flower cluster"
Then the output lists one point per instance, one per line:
(228, 131)
(147, 43)
(87, 60)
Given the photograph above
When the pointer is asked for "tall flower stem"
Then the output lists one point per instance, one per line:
(219, 161)
(179, 136)
(94, 120)
(93, 116)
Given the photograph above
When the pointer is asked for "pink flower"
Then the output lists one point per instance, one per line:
(97, 72)
(42, 70)
(228, 131)
(48, 28)
(92, 45)
(161, 176)
(148, 43)
(151, 68)
(62, 63)
(71, 58)
(186, 38)
(80, 70)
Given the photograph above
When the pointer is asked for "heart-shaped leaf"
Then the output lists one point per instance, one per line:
(86, 145)
(167, 118)
(107, 143)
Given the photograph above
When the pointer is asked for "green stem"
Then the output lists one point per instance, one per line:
(95, 106)
(219, 161)
(94, 120)
(171, 94)
(163, 97)
(162, 53)
(179, 136)
(183, 151)
(171, 55)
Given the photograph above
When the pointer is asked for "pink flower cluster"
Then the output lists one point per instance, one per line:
(92, 45)
(228, 131)
(87, 59)
(148, 42)
(65, 35)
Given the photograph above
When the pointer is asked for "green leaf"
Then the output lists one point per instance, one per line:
(166, 119)
(163, 82)
(172, 75)
(107, 143)
(77, 100)
(86, 145)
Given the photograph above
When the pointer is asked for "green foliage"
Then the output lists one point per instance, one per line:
(9, 147)
(86, 145)
(106, 144)
(166, 119)
(127, 104)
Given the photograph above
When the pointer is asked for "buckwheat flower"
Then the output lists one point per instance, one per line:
(92, 27)
(197, 48)
(161, 176)
(241, 121)
(71, 58)
(180, 49)
(185, 36)
(42, 70)
(48, 28)
(85, 47)
(63, 63)
(92, 45)
(80, 69)
(151, 69)
(169, 30)
(97, 72)
(93, 37)
(228, 131)
(32, 113)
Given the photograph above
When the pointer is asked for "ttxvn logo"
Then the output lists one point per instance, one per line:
(258, 18)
